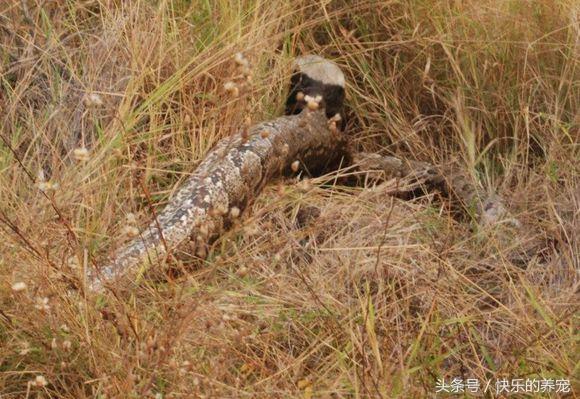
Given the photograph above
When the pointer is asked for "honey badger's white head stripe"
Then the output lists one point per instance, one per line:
(318, 68)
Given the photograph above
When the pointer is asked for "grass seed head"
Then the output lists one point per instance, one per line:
(42, 304)
(19, 286)
(295, 166)
(93, 100)
(47, 186)
(234, 212)
(73, 262)
(313, 103)
(130, 231)
(130, 218)
(241, 60)
(40, 381)
(25, 349)
(232, 88)
(81, 154)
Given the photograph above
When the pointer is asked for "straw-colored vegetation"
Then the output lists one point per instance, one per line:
(117, 101)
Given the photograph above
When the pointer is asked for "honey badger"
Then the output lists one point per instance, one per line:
(315, 76)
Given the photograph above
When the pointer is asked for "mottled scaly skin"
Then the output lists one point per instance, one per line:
(232, 174)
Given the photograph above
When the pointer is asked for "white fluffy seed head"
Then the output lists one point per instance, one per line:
(235, 212)
(131, 231)
(19, 286)
(42, 304)
(81, 154)
(93, 100)
(336, 118)
(25, 349)
(131, 219)
(313, 106)
(40, 381)
(46, 186)
(315, 99)
(313, 103)
(295, 166)
(73, 262)
(232, 88)
(241, 60)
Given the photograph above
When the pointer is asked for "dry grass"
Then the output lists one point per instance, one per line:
(378, 297)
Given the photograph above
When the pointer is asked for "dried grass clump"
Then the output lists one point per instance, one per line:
(320, 290)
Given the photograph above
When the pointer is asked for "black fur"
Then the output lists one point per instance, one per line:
(332, 96)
